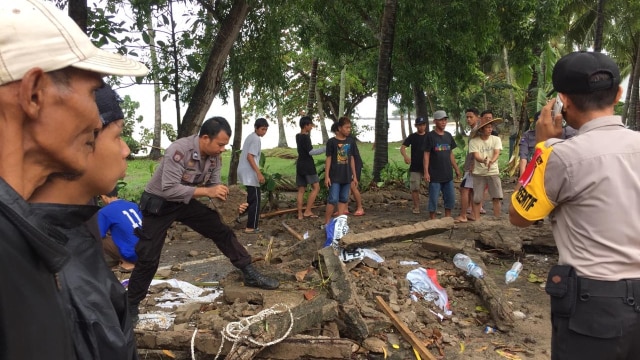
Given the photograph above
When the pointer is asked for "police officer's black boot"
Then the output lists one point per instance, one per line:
(253, 278)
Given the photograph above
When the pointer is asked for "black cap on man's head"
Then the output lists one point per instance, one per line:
(573, 73)
(108, 102)
(420, 120)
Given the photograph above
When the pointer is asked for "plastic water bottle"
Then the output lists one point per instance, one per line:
(512, 274)
(463, 262)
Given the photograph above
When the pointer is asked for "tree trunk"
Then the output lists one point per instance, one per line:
(635, 95)
(512, 100)
(404, 132)
(597, 43)
(409, 121)
(420, 102)
(79, 13)
(155, 153)
(209, 83)
(237, 138)
(635, 71)
(282, 137)
(388, 25)
(176, 71)
(313, 78)
(323, 125)
(343, 90)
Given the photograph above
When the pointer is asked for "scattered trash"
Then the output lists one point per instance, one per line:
(305, 235)
(373, 255)
(511, 275)
(465, 263)
(155, 320)
(336, 229)
(480, 308)
(350, 255)
(405, 262)
(440, 316)
(190, 294)
(489, 330)
(424, 284)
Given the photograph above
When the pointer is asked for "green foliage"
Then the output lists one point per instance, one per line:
(129, 108)
(394, 173)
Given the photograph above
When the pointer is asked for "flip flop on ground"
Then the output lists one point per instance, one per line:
(312, 216)
(358, 213)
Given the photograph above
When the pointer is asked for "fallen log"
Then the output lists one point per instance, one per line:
(499, 309)
(309, 314)
(399, 233)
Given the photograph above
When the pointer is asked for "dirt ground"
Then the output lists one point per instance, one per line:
(463, 335)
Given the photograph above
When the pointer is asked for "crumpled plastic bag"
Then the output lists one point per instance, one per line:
(336, 229)
(359, 254)
(424, 285)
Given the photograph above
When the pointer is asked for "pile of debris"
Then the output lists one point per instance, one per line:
(336, 306)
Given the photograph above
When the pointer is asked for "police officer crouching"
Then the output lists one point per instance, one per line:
(589, 186)
(190, 169)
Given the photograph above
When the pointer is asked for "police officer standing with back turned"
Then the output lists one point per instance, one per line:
(589, 186)
(189, 170)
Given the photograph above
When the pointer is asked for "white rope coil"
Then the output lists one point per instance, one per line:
(235, 331)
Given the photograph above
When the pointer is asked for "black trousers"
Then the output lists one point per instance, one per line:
(197, 216)
(605, 324)
(253, 211)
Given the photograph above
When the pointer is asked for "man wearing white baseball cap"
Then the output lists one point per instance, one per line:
(49, 71)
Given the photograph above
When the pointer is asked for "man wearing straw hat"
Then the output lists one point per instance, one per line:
(486, 150)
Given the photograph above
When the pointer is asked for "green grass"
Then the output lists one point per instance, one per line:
(281, 161)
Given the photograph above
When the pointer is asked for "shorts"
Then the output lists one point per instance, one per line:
(304, 180)
(467, 181)
(481, 182)
(338, 193)
(415, 180)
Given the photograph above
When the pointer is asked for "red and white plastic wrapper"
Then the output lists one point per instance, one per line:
(424, 285)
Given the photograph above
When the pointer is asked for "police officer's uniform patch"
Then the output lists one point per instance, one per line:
(178, 156)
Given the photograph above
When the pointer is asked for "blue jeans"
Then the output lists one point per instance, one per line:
(338, 193)
(448, 195)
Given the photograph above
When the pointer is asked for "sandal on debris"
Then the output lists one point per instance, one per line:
(358, 213)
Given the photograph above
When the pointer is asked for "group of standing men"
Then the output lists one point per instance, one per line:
(61, 144)
(433, 161)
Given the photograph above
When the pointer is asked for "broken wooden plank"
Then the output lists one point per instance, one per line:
(282, 212)
(404, 330)
(295, 234)
(399, 233)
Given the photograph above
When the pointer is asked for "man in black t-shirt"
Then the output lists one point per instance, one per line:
(438, 160)
(416, 161)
